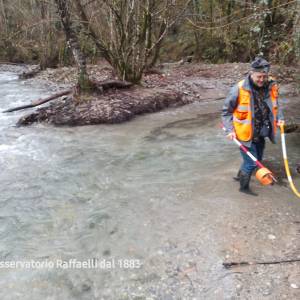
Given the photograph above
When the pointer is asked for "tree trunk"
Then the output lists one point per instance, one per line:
(4, 15)
(83, 80)
(90, 31)
(296, 31)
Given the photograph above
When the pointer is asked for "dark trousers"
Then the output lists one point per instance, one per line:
(257, 150)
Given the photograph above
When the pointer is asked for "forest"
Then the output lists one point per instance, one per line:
(133, 36)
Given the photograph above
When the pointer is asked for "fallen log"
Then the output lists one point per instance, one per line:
(101, 86)
(109, 84)
(39, 101)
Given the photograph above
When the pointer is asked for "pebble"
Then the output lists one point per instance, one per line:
(266, 292)
(239, 288)
(271, 237)
(294, 280)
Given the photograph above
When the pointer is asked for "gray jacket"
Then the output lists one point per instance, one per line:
(231, 103)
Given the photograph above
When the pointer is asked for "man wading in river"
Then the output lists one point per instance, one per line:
(250, 114)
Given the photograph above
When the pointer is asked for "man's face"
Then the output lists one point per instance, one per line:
(259, 78)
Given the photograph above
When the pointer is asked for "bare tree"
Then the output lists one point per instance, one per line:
(129, 33)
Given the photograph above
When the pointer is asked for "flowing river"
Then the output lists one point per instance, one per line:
(141, 202)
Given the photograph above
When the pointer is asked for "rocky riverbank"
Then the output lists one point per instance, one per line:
(112, 107)
(170, 85)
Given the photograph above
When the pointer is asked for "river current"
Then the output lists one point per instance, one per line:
(130, 194)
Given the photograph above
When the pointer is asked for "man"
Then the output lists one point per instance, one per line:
(250, 114)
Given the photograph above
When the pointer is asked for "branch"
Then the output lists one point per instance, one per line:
(167, 26)
(230, 265)
(90, 31)
(239, 20)
(39, 101)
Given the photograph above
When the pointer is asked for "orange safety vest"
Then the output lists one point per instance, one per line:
(242, 115)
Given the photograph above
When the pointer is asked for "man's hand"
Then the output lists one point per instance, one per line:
(280, 122)
(231, 135)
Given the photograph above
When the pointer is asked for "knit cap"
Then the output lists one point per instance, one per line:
(260, 65)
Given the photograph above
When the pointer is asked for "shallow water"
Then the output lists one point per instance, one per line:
(137, 191)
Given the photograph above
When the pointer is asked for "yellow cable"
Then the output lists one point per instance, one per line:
(286, 163)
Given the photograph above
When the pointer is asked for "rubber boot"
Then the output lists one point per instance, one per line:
(237, 177)
(244, 184)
